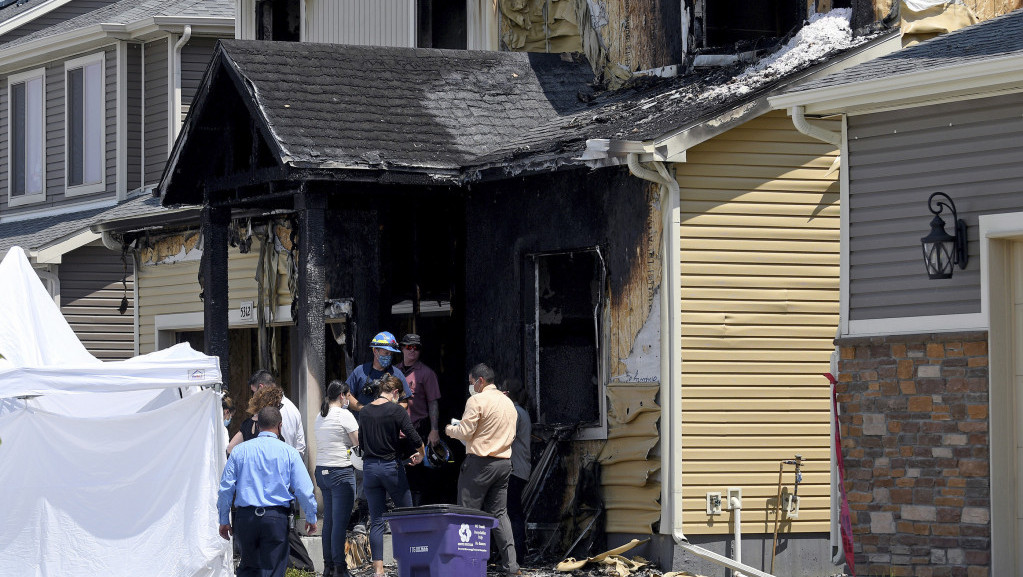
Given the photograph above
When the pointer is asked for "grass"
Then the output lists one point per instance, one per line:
(292, 572)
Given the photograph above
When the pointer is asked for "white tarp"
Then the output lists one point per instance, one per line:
(106, 468)
(120, 496)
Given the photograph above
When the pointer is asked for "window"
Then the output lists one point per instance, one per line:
(278, 20)
(27, 151)
(441, 24)
(568, 363)
(85, 125)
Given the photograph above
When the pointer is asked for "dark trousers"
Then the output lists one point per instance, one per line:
(517, 516)
(420, 477)
(337, 485)
(262, 540)
(483, 484)
(383, 478)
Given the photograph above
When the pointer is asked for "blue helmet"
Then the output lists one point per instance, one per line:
(437, 456)
(385, 340)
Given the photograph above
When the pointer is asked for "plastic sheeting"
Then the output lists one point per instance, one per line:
(130, 495)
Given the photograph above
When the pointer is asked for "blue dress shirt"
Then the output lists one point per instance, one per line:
(263, 472)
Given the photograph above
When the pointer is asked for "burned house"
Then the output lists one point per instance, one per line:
(655, 262)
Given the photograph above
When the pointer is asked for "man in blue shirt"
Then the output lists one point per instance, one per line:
(384, 345)
(260, 477)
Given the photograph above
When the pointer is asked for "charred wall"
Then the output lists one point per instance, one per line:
(353, 270)
(508, 221)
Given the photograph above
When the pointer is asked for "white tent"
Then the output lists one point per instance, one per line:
(106, 468)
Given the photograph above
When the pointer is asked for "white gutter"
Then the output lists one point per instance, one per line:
(671, 363)
(176, 116)
(801, 124)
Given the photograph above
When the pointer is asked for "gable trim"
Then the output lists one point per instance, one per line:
(31, 14)
(961, 81)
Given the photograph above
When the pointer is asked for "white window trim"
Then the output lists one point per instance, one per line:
(92, 187)
(37, 197)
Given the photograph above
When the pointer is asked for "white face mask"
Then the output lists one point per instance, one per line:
(472, 389)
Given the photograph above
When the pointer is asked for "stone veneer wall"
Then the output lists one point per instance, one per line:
(914, 420)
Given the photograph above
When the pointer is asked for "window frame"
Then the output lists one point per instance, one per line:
(598, 430)
(34, 197)
(101, 184)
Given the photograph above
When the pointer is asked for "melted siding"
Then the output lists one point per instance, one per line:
(760, 265)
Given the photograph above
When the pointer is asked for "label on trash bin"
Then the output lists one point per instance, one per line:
(419, 549)
(474, 538)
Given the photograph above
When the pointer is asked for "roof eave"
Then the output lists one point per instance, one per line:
(931, 86)
(31, 14)
(73, 41)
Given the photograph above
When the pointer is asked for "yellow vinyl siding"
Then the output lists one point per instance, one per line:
(174, 288)
(760, 281)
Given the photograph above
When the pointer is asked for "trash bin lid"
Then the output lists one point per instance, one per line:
(436, 510)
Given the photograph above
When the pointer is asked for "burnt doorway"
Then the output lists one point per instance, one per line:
(423, 258)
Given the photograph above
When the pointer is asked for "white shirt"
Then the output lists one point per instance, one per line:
(291, 426)
(332, 440)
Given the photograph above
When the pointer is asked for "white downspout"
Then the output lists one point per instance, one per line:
(735, 504)
(176, 118)
(801, 124)
(671, 362)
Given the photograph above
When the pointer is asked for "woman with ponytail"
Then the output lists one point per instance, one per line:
(336, 433)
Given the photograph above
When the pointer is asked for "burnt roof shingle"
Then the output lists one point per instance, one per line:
(360, 105)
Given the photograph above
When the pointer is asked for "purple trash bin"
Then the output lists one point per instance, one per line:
(440, 540)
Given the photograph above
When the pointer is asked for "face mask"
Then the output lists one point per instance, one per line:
(472, 390)
(345, 405)
(227, 422)
(384, 360)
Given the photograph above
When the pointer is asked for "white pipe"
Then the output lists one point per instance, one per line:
(803, 126)
(176, 118)
(671, 364)
(736, 505)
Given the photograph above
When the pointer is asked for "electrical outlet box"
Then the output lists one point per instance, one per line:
(790, 503)
(735, 492)
(714, 503)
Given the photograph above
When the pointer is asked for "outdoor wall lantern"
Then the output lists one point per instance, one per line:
(943, 251)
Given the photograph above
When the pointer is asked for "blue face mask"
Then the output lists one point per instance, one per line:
(384, 360)
(227, 422)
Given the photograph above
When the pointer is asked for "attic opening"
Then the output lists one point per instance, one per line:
(441, 24)
(737, 22)
(569, 306)
(278, 20)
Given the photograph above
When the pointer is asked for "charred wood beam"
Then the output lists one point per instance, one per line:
(234, 182)
(312, 292)
(213, 280)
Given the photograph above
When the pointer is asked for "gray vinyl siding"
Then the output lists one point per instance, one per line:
(64, 13)
(110, 70)
(195, 57)
(133, 60)
(156, 109)
(55, 119)
(970, 150)
(90, 292)
(4, 138)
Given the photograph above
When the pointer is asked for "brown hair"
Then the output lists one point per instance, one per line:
(389, 384)
(266, 396)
